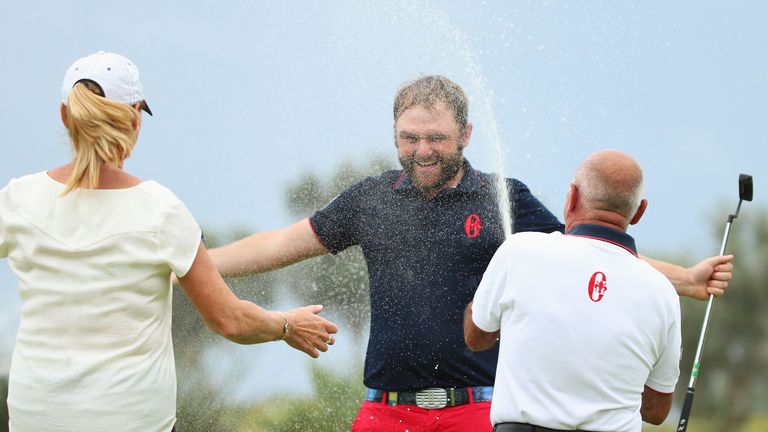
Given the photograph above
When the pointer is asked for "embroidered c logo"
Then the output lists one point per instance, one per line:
(598, 284)
(473, 225)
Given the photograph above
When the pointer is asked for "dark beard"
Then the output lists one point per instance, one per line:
(450, 164)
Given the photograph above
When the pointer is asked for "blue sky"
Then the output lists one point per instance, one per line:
(249, 94)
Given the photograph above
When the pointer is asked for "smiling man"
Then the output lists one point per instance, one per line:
(433, 160)
(427, 233)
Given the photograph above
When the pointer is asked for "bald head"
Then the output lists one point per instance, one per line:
(610, 181)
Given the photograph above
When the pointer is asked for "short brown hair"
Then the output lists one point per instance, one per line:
(429, 90)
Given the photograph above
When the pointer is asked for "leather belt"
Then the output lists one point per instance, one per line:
(525, 427)
(433, 397)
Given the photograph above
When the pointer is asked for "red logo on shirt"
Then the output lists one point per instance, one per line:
(598, 284)
(473, 225)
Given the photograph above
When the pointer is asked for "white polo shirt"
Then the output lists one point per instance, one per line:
(585, 324)
(93, 350)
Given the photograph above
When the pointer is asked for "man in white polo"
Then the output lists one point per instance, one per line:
(589, 334)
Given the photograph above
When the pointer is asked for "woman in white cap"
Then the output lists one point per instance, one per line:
(93, 248)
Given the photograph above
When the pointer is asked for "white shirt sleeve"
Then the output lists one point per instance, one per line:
(3, 208)
(486, 306)
(666, 371)
(178, 239)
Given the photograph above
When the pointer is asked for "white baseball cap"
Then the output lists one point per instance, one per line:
(116, 77)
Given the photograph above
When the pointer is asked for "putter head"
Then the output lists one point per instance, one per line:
(745, 187)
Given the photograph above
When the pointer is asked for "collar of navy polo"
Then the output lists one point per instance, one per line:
(606, 234)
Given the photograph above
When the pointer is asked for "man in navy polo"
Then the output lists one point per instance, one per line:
(427, 233)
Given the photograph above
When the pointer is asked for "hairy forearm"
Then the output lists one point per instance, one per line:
(268, 250)
(709, 276)
(258, 253)
(475, 338)
(655, 406)
(676, 274)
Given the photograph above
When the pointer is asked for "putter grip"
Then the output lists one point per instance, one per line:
(686, 413)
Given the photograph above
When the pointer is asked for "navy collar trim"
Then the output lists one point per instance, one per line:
(603, 233)
(471, 180)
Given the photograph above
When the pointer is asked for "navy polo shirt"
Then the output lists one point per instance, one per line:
(425, 260)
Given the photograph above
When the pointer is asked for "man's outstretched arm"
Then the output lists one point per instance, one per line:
(709, 276)
(268, 250)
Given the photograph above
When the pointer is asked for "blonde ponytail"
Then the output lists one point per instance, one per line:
(101, 131)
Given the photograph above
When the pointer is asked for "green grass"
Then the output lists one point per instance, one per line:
(754, 424)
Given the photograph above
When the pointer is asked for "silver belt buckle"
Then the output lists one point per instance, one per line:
(432, 398)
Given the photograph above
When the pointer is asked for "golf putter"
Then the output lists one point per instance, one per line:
(745, 194)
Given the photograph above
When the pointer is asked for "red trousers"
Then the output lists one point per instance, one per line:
(380, 417)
